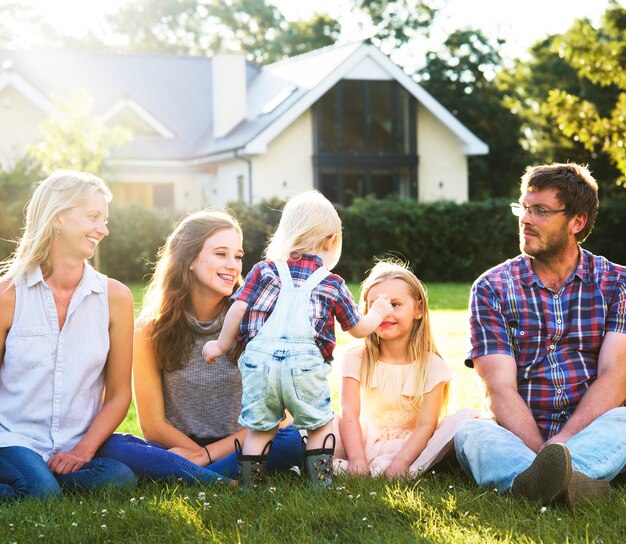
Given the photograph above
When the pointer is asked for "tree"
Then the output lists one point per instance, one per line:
(527, 86)
(461, 76)
(16, 187)
(201, 27)
(23, 25)
(592, 113)
(75, 138)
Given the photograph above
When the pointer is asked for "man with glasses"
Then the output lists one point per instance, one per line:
(548, 338)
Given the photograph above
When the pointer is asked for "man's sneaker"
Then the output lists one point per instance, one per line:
(548, 477)
(581, 486)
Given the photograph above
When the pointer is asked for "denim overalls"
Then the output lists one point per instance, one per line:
(282, 367)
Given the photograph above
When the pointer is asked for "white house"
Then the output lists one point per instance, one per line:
(344, 119)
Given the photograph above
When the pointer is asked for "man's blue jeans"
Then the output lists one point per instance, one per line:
(23, 473)
(152, 461)
(495, 456)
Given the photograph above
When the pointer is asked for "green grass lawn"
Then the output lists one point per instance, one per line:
(442, 506)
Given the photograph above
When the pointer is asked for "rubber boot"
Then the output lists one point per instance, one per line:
(251, 468)
(319, 464)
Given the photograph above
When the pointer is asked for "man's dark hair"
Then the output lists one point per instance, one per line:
(575, 188)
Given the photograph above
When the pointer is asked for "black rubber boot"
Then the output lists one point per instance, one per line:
(251, 468)
(319, 464)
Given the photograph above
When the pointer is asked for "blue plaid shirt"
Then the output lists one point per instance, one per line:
(330, 299)
(555, 338)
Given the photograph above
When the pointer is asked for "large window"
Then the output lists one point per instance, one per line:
(365, 141)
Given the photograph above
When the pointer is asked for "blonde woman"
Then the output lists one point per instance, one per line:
(395, 386)
(66, 336)
(286, 310)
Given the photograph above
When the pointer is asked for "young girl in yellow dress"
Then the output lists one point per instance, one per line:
(395, 386)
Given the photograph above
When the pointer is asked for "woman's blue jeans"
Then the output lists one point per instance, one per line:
(495, 456)
(24, 473)
(151, 461)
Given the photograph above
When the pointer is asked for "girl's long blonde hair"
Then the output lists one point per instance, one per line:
(168, 296)
(308, 220)
(60, 191)
(421, 342)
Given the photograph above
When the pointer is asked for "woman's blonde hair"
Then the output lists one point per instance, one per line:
(59, 192)
(308, 220)
(421, 342)
(168, 295)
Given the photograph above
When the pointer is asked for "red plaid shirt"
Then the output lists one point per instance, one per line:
(555, 338)
(330, 299)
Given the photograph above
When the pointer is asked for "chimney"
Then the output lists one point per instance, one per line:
(229, 91)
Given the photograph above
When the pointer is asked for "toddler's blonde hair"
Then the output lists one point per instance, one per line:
(308, 220)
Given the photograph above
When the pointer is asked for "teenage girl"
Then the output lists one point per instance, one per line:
(284, 314)
(395, 386)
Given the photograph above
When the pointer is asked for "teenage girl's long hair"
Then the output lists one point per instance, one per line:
(421, 342)
(168, 296)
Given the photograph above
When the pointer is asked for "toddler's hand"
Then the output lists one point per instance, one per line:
(211, 351)
(382, 305)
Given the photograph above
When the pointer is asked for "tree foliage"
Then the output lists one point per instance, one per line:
(461, 76)
(568, 98)
(75, 138)
(201, 27)
(599, 56)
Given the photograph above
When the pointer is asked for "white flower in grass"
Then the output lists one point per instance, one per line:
(103, 527)
(206, 506)
(201, 496)
(272, 489)
(372, 493)
(74, 524)
(543, 510)
(240, 523)
(141, 498)
(364, 519)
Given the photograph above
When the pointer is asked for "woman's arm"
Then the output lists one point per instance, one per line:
(149, 400)
(350, 425)
(117, 393)
(425, 426)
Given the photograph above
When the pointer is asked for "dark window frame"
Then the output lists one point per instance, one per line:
(368, 160)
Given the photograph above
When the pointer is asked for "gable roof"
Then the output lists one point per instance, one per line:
(176, 91)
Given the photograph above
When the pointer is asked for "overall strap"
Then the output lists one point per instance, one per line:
(315, 279)
(284, 273)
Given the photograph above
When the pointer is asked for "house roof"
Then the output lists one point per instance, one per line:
(172, 93)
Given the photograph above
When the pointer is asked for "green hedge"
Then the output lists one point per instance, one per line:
(442, 241)
(135, 235)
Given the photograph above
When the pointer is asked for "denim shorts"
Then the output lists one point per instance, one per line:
(284, 375)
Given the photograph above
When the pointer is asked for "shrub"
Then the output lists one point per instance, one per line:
(136, 234)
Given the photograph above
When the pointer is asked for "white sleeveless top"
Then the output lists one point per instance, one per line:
(51, 381)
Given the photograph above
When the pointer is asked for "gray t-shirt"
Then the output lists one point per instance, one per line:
(202, 400)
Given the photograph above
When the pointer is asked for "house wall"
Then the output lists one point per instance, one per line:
(287, 167)
(442, 171)
(284, 170)
(19, 118)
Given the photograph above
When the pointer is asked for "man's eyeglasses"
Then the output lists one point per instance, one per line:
(535, 211)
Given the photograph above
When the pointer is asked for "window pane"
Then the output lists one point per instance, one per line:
(381, 115)
(354, 186)
(329, 186)
(163, 194)
(404, 121)
(326, 122)
(353, 122)
(382, 183)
